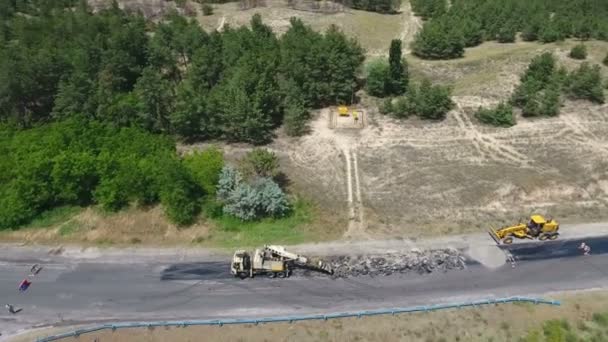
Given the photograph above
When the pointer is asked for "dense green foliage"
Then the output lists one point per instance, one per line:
(593, 330)
(260, 163)
(247, 201)
(605, 61)
(501, 115)
(207, 9)
(543, 83)
(425, 100)
(169, 77)
(586, 83)
(579, 51)
(386, 78)
(296, 112)
(438, 40)
(430, 101)
(77, 162)
(470, 22)
(380, 6)
(429, 8)
(398, 73)
(205, 167)
(377, 80)
(539, 91)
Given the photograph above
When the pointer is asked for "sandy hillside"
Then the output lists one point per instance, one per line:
(404, 178)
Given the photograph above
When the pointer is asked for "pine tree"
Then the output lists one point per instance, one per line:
(398, 74)
(378, 82)
(586, 83)
(437, 40)
(155, 96)
(578, 52)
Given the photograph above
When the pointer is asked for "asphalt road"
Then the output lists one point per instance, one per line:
(75, 290)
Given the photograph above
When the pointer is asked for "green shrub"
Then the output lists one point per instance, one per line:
(532, 336)
(403, 107)
(601, 319)
(205, 166)
(230, 178)
(386, 106)
(501, 115)
(378, 78)
(506, 34)
(558, 331)
(586, 83)
(438, 40)
(260, 162)
(212, 208)
(429, 101)
(296, 118)
(605, 61)
(578, 52)
(540, 69)
(540, 88)
(398, 69)
(76, 162)
(264, 198)
(207, 9)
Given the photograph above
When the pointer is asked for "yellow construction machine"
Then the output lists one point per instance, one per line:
(343, 111)
(536, 228)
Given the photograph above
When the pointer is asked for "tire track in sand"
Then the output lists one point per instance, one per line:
(356, 226)
(486, 145)
(582, 134)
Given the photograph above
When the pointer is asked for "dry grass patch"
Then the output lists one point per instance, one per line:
(374, 31)
(149, 226)
(492, 69)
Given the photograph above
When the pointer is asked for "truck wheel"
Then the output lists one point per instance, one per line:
(553, 237)
(508, 240)
(242, 275)
(543, 237)
(271, 274)
(281, 274)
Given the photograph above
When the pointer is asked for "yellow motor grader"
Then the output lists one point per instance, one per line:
(536, 228)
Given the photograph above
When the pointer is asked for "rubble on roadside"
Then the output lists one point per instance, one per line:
(416, 261)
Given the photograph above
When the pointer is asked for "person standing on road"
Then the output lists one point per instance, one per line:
(11, 308)
(511, 259)
(585, 248)
(35, 270)
(24, 285)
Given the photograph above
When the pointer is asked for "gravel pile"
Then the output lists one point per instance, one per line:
(421, 262)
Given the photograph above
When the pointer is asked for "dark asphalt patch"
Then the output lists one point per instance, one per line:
(197, 271)
(537, 250)
(556, 249)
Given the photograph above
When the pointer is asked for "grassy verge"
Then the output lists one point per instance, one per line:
(582, 317)
(148, 226)
(232, 232)
(53, 217)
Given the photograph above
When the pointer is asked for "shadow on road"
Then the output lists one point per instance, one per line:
(196, 271)
(557, 249)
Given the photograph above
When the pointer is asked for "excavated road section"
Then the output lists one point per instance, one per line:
(416, 261)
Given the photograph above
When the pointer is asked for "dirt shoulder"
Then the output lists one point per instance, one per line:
(492, 323)
(125, 254)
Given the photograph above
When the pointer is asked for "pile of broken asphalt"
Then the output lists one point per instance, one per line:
(421, 262)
